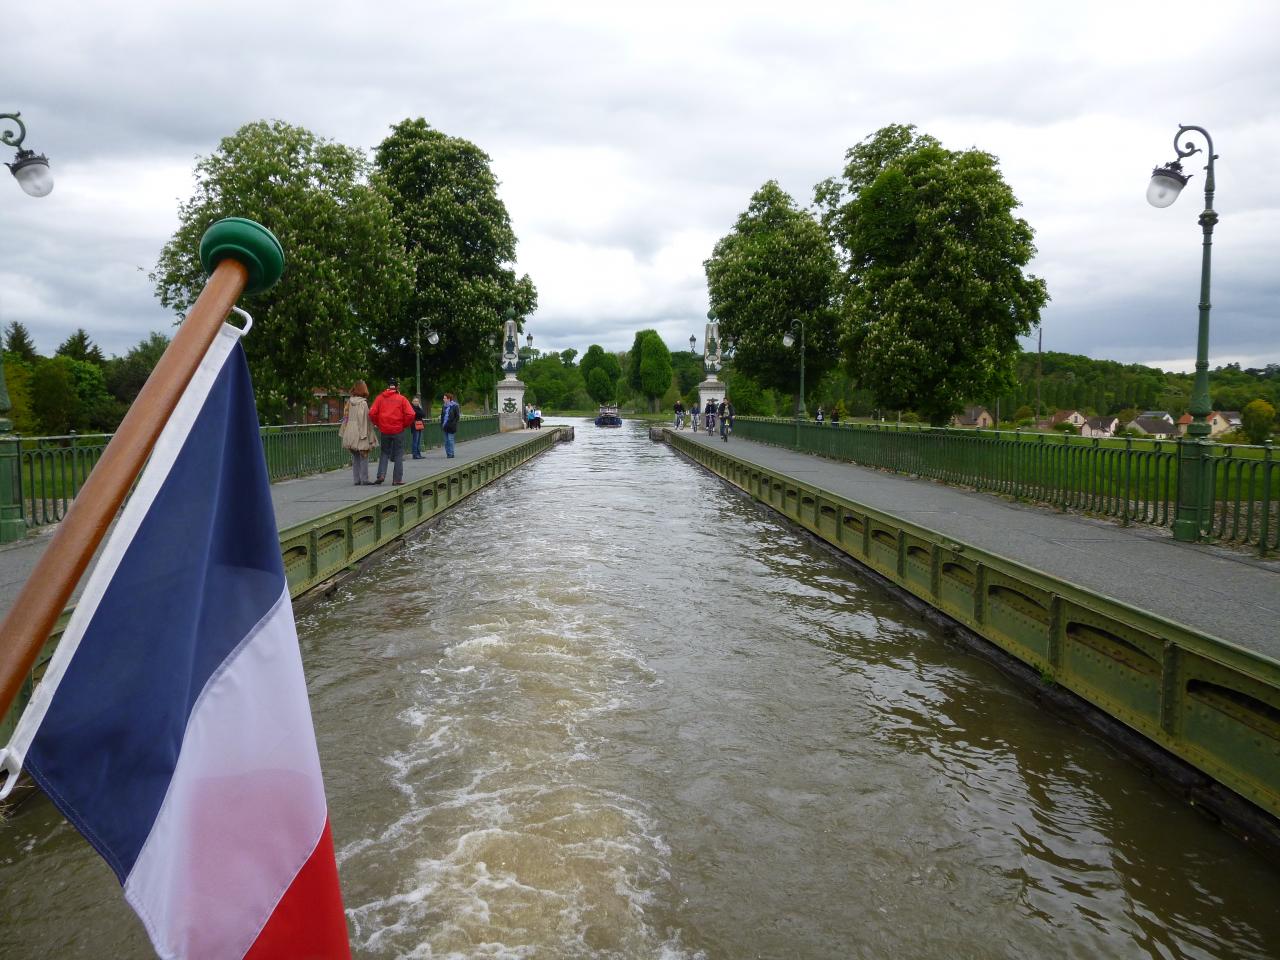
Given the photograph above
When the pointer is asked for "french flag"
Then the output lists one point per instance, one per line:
(172, 727)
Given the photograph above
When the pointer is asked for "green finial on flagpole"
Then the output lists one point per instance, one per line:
(251, 244)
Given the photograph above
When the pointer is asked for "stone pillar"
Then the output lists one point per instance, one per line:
(710, 389)
(510, 404)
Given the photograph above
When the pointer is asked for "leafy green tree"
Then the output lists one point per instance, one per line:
(53, 396)
(346, 273)
(459, 242)
(601, 372)
(554, 383)
(96, 409)
(18, 342)
(749, 398)
(688, 370)
(655, 369)
(774, 267)
(127, 374)
(78, 346)
(1258, 419)
(936, 295)
(17, 375)
(635, 357)
(599, 387)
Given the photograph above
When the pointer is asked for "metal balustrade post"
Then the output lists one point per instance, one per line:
(12, 524)
(1268, 474)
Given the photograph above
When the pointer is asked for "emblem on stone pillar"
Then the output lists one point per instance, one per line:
(510, 351)
(711, 360)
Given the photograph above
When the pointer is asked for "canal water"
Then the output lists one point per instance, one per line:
(609, 708)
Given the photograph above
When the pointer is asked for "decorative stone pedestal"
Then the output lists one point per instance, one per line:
(510, 405)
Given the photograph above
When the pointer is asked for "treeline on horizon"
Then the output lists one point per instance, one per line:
(1067, 382)
(904, 282)
(80, 388)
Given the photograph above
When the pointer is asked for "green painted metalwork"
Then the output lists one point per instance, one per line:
(12, 526)
(1194, 509)
(51, 470)
(1132, 480)
(1209, 702)
(324, 547)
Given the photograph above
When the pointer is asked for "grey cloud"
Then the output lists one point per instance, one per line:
(703, 110)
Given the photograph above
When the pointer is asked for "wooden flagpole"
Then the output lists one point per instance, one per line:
(243, 257)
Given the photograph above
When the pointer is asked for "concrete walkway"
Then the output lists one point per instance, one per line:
(1228, 595)
(295, 501)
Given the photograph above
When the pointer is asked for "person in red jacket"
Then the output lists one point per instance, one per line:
(392, 415)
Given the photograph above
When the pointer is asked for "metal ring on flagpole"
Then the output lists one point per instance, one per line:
(11, 766)
(248, 320)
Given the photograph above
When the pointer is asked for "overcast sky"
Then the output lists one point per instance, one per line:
(628, 138)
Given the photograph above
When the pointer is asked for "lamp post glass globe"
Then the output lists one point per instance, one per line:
(1166, 183)
(433, 337)
(692, 340)
(529, 341)
(32, 174)
(788, 340)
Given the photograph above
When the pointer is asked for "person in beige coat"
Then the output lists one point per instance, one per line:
(357, 432)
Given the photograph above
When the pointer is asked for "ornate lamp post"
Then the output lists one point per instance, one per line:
(789, 340)
(692, 342)
(30, 169)
(1194, 493)
(432, 338)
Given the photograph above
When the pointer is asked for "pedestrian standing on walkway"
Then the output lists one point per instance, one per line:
(392, 415)
(679, 415)
(419, 425)
(356, 432)
(537, 418)
(449, 417)
(835, 415)
(726, 419)
(819, 416)
(524, 421)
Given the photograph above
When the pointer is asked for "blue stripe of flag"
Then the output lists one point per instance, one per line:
(202, 570)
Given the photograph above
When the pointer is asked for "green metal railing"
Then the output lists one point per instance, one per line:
(1131, 479)
(51, 470)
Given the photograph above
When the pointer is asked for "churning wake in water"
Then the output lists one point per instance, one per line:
(513, 837)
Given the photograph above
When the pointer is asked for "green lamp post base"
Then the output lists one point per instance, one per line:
(1192, 517)
(12, 525)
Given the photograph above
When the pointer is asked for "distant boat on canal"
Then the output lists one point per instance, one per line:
(608, 416)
